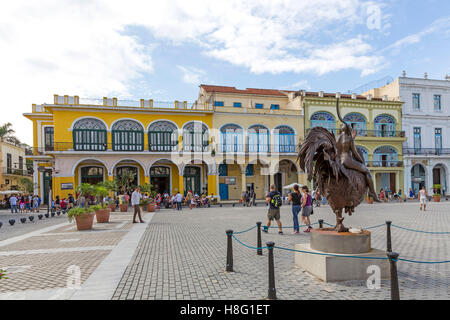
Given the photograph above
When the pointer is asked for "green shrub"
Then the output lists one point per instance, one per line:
(77, 211)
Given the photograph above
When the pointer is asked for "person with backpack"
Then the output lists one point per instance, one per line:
(306, 208)
(274, 200)
(296, 199)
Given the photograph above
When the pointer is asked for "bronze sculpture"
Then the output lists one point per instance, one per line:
(338, 169)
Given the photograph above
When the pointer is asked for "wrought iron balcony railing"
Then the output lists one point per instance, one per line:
(384, 164)
(16, 172)
(371, 133)
(426, 151)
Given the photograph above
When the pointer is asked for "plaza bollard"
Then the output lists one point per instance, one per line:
(395, 292)
(272, 294)
(321, 223)
(1, 224)
(388, 236)
(47, 215)
(12, 221)
(23, 220)
(31, 218)
(58, 212)
(229, 267)
(258, 242)
(40, 216)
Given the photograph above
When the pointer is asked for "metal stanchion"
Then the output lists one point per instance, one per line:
(321, 223)
(259, 242)
(272, 294)
(229, 267)
(395, 292)
(388, 236)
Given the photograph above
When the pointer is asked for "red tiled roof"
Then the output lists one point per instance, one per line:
(224, 89)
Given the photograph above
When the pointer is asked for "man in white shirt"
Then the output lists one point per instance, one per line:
(13, 203)
(178, 199)
(135, 200)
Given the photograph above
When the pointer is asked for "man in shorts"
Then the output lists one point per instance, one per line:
(274, 200)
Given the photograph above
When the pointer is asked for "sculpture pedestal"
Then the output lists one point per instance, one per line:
(337, 268)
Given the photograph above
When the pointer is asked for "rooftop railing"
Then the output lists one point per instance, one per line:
(371, 133)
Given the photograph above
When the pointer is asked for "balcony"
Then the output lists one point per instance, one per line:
(426, 151)
(384, 164)
(255, 148)
(16, 172)
(371, 133)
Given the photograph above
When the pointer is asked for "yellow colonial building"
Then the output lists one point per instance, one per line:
(227, 142)
(378, 123)
(257, 133)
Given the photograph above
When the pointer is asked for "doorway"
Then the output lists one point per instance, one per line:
(160, 179)
(192, 180)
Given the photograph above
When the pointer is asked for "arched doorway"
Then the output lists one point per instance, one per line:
(160, 178)
(417, 178)
(439, 179)
(127, 177)
(92, 174)
(286, 174)
(192, 179)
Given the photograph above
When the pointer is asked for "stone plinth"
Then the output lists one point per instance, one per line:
(339, 267)
(328, 240)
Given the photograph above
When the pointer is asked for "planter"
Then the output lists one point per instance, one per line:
(369, 200)
(85, 221)
(112, 207)
(123, 207)
(102, 215)
(151, 207)
(437, 198)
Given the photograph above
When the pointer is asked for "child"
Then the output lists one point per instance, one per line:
(21, 205)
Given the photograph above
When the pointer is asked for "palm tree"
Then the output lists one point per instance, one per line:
(6, 130)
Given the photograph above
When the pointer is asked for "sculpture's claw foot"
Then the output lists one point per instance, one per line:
(341, 228)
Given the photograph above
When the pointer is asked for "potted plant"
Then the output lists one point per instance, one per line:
(150, 201)
(437, 193)
(369, 199)
(101, 213)
(84, 217)
(111, 205)
(123, 206)
(85, 190)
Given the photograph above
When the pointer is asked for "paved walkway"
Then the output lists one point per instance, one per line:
(182, 255)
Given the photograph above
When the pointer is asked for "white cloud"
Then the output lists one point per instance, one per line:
(193, 75)
(81, 47)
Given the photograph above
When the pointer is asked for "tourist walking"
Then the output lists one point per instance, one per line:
(135, 201)
(178, 200)
(423, 194)
(13, 203)
(306, 208)
(296, 199)
(274, 200)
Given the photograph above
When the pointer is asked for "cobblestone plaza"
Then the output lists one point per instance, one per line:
(182, 255)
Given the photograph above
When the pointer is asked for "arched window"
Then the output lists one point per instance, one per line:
(385, 156)
(385, 126)
(162, 136)
(357, 122)
(258, 139)
(127, 135)
(284, 139)
(323, 119)
(91, 175)
(195, 137)
(232, 138)
(365, 153)
(89, 135)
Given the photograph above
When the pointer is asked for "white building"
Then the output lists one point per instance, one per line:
(426, 122)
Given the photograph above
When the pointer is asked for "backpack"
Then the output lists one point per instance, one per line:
(276, 201)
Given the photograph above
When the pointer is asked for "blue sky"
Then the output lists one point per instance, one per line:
(163, 51)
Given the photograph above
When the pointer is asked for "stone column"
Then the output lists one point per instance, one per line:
(181, 184)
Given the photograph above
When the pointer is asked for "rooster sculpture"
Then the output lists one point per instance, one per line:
(337, 168)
